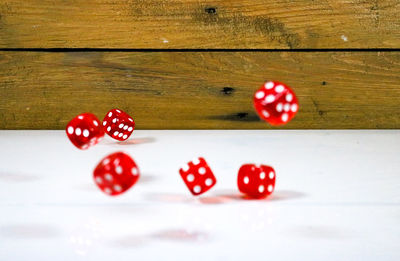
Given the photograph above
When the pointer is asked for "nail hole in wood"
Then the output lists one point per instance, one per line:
(227, 90)
(211, 10)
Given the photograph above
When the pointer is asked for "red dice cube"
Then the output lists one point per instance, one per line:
(256, 181)
(118, 124)
(116, 173)
(276, 103)
(198, 176)
(84, 131)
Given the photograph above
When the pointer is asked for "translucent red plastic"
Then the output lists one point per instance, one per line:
(116, 173)
(84, 131)
(256, 181)
(198, 176)
(276, 103)
(118, 124)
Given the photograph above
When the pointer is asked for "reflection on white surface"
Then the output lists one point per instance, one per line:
(17, 177)
(85, 235)
(224, 197)
(174, 235)
(320, 232)
(180, 235)
(132, 141)
(337, 198)
(29, 231)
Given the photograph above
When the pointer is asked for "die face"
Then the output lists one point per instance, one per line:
(116, 173)
(256, 181)
(84, 131)
(276, 103)
(198, 176)
(118, 124)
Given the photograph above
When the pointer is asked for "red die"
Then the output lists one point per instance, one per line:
(118, 124)
(116, 173)
(198, 176)
(256, 182)
(84, 130)
(276, 103)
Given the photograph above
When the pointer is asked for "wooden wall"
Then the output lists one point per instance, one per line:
(195, 64)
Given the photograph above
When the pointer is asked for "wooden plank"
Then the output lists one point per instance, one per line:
(198, 90)
(200, 24)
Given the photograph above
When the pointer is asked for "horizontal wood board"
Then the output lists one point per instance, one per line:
(200, 24)
(191, 90)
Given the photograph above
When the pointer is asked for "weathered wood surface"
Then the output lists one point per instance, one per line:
(200, 24)
(171, 90)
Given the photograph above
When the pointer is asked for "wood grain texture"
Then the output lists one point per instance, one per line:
(200, 24)
(178, 90)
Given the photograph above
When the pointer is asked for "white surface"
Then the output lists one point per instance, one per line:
(337, 198)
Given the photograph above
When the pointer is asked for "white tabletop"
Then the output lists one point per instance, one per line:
(337, 198)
